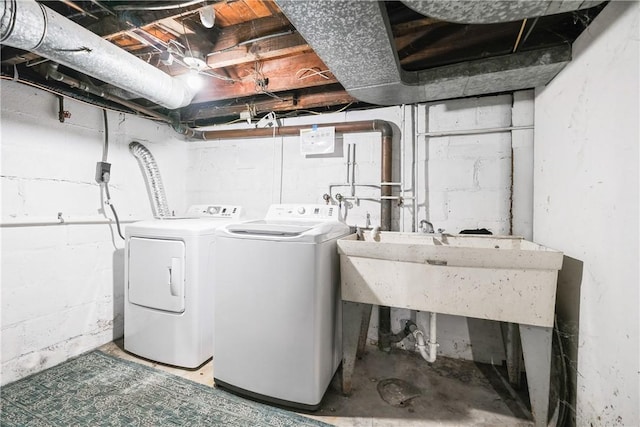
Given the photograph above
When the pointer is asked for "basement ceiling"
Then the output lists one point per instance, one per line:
(292, 57)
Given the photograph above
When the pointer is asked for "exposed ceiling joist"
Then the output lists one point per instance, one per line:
(255, 56)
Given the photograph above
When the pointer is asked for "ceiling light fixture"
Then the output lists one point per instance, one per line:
(194, 80)
(207, 16)
(195, 63)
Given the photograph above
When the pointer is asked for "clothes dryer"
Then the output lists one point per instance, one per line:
(169, 285)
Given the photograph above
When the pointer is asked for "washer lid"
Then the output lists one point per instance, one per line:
(270, 229)
(291, 231)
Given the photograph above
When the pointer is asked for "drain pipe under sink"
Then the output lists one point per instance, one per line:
(428, 349)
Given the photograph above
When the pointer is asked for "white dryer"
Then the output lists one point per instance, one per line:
(277, 312)
(168, 305)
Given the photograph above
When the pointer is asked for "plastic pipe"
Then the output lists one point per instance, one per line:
(433, 345)
(428, 350)
(421, 344)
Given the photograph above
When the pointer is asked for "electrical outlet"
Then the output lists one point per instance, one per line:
(103, 172)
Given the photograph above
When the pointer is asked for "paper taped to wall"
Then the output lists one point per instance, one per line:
(317, 140)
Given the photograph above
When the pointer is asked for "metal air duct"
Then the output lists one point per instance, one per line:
(28, 25)
(494, 11)
(354, 39)
(152, 178)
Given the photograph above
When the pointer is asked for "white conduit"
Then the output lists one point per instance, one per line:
(433, 345)
(44, 222)
(428, 349)
(153, 179)
(28, 25)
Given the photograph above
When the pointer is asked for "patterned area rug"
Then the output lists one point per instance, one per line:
(96, 389)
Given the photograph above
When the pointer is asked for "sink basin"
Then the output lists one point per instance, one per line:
(501, 278)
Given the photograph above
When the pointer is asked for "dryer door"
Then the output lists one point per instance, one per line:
(156, 273)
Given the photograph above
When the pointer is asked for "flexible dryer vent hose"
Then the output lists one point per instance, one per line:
(152, 177)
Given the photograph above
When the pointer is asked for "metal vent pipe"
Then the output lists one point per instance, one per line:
(153, 179)
(354, 39)
(28, 25)
(489, 12)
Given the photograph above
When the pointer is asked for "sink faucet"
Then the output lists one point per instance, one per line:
(426, 226)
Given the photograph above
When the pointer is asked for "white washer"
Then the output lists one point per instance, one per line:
(277, 311)
(168, 304)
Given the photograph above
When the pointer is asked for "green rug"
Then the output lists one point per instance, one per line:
(96, 389)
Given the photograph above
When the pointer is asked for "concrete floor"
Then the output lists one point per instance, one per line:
(447, 393)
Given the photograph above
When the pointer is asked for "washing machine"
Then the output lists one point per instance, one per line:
(168, 305)
(277, 310)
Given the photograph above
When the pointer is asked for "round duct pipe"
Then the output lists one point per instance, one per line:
(492, 11)
(31, 26)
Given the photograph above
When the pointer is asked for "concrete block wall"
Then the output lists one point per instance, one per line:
(62, 285)
(586, 204)
(465, 181)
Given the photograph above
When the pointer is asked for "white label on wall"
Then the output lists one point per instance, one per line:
(318, 140)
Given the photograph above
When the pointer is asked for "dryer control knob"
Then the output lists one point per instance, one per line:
(301, 210)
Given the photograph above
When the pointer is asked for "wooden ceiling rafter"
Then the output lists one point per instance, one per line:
(309, 98)
(255, 54)
(281, 73)
(475, 44)
(285, 45)
(231, 36)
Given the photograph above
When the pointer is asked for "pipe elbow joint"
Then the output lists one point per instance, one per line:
(384, 127)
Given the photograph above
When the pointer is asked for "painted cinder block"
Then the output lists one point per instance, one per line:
(493, 174)
(487, 205)
(451, 175)
(470, 113)
(62, 290)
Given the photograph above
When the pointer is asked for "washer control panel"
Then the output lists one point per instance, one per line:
(317, 212)
(214, 211)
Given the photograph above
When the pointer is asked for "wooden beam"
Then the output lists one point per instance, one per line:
(110, 26)
(289, 101)
(286, 45)
(229, 37)
(473, 43)
(413, 26)
(433, 35)
(281, 74)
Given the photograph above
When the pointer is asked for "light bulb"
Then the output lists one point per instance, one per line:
(194, 80)
(207, 16)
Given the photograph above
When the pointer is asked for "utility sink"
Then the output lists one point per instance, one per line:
(501, 278)
(489, 277)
